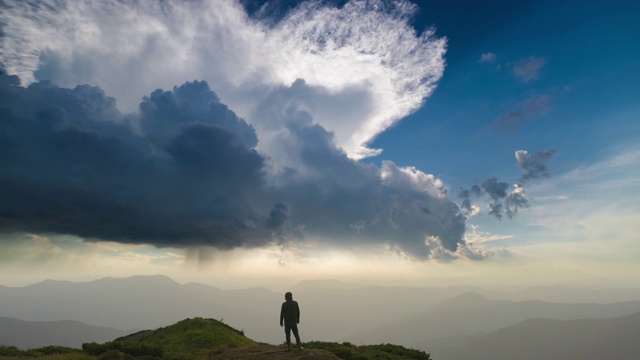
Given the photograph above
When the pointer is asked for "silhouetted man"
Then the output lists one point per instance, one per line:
(290, 313)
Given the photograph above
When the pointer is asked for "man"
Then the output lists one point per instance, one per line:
(290, 314)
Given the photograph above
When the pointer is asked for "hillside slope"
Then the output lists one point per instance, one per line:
(190, 338)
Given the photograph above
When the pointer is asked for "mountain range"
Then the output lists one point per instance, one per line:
(584, 339)
(329, 314)
(34, 334)
(472, 313)
(434, 319)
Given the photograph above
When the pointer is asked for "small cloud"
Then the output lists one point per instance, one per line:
(471, 252)
(529, 69)
(476, 238)
(502, 200)
(487, 57)
(533, 106)
(534, 165)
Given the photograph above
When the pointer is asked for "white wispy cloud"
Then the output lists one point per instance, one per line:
(487, 57)
(132, 48)
(529, 69)
(591, 211)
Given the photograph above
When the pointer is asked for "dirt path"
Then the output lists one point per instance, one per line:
(263, 352)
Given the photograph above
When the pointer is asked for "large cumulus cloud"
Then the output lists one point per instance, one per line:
(185, 171)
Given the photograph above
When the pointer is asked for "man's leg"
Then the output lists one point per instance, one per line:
(295, 333)
(287, 332)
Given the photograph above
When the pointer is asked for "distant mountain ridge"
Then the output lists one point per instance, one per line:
(331, 310)
(154, 301)
(584, 339)
(468, 299)
(315, 285)
(34, 334)
(471, 313)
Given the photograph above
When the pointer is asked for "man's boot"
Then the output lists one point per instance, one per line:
(300, 346)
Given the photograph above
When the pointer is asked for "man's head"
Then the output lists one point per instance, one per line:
(288, 296)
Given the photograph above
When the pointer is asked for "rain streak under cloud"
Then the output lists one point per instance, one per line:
(263, 148)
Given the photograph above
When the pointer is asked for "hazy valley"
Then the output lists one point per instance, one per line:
(449, 322)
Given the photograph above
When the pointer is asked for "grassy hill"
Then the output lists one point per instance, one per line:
(190, 338)
(200, 338)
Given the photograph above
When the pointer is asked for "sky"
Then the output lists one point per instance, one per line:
(258, 143)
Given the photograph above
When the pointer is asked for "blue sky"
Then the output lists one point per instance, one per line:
(265, 139)
(588, 74)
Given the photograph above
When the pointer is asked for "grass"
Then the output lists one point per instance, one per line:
(208, 339)
(47, 352)
(187, 339)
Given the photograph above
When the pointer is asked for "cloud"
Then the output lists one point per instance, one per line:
(487, 57)
(360, 203)
(534, 165)
(533, 106)
(184, 172)
(502, 201)
(75, 166)
(164, 113)
(365, 49)
(528, 69)
(476, 238)
(467, 251)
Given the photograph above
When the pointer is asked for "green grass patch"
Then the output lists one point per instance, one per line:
(46, 352)
(187, 339)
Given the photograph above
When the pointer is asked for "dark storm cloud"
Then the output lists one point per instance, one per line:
(184, 172)
(71, 164)
(164, 113)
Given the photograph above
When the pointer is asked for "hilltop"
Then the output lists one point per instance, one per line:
(200, 338)
(190, 338)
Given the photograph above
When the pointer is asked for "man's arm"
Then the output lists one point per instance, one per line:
(297, 313)
(281, 314)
